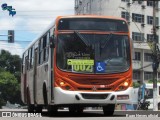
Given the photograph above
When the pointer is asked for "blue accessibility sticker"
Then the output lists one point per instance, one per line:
(100, 67)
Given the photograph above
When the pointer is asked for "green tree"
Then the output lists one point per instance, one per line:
(9, 87)
(9, 78)
(10, 63)
(136, 84)
(151, 81)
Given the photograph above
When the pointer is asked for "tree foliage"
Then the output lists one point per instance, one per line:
(151, 81)
(9, 78)
(10, 63)
(9, 87)
(136, 84)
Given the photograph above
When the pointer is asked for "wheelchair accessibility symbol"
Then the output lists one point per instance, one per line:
(100, 67)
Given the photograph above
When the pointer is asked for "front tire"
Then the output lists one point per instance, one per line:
(109, 109)
(52, 110)
(158, 106)
(74, 110)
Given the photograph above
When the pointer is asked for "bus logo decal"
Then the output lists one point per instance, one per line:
(94, 88)
(100, 67)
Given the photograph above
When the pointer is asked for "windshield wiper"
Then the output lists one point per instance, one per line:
(81, 37)
(108, 60)
(107, 40)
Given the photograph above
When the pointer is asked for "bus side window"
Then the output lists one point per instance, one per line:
(26, 63)
(39, 57)
(22, 64)
(47, 46)
(40, 51)
(27, 60)
(32, 57)
(44, 47)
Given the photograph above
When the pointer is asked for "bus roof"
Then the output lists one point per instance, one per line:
(90, 16)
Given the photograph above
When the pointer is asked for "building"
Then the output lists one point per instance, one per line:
(139, 15)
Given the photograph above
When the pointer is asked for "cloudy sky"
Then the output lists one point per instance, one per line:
(32, 17)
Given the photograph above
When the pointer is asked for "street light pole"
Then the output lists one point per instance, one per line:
(155, 64)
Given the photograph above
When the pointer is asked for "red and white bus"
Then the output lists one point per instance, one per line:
(79, 61)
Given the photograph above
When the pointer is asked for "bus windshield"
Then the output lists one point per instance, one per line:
(93, 53)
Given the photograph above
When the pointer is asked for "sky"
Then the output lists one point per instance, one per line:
(32, 17)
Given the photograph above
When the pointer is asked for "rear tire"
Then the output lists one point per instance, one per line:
(31, 108)
(45, 98)
(109, 109)
(38, 109)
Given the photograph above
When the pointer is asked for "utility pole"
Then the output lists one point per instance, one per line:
(155, 64)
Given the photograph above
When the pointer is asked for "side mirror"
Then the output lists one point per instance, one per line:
(52, 44)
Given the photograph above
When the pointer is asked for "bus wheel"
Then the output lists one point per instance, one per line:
(109, 109)
(38, 109)
(74, 109)
(31, 108)
(52, 110)
(45, 98)
(158, 106)
(80, 110)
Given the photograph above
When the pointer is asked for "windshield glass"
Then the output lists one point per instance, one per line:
(93, 53)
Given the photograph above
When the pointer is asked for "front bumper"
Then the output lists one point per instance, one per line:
(62, 97)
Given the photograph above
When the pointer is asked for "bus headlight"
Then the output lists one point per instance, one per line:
(124, 85)
(61, 83)
(64, 85)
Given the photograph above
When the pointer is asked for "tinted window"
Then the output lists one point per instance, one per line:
(92, 24)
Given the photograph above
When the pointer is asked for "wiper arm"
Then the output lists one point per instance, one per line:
(107, 40)
(81, 37)
(108, 60)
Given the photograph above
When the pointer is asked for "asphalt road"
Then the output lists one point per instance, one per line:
(21, 114)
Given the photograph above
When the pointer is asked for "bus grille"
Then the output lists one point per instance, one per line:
(81, 88)
(93, 81)
(94, 96)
